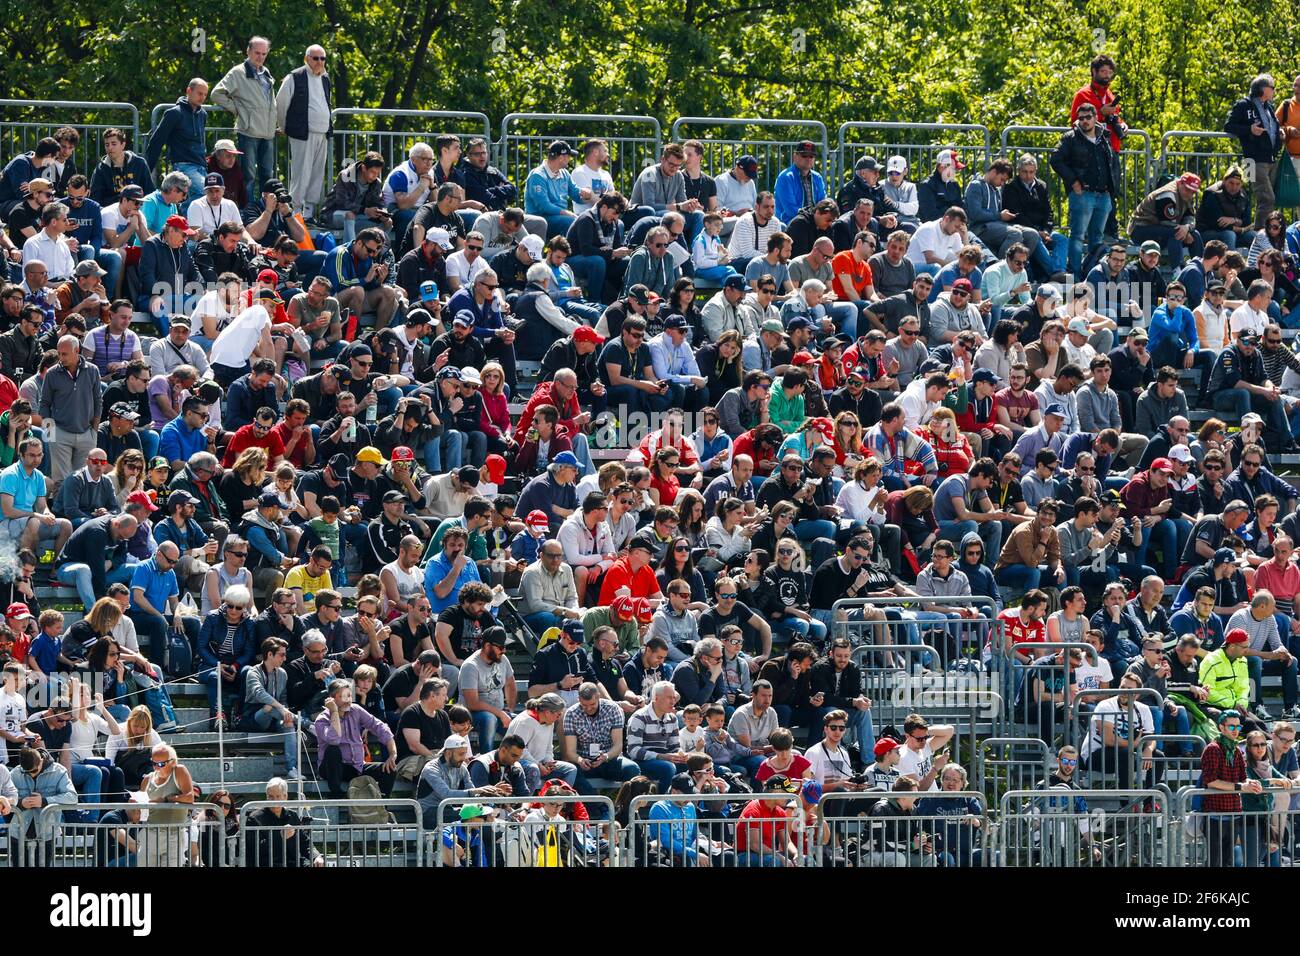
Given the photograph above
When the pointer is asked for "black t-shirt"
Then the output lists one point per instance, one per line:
(1209, 529)
(21, 217)
(399, 684)
(118, 392)
(830, 583)
(631, 366)
(1006, 497)
(433, 730)
(702, 189)
(410, 637)
(54, 740)
(428, 217)
(466, 631)
(713, 620)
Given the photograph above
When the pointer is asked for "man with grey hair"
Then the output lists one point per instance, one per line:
(52, 246)
(652, 266)
(1255, 125)
(544, 322)
(279, 835)
(1266, 654)
(197, 478)
(311, 674)
(248, 91)
(303, 107)
(593, 738)
(182, 129)
(652, 736)
(71, 401)
(698, 679)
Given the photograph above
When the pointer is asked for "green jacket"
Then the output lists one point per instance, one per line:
(629, 636)
(785, 413)
(250, 97)
(1227, 681)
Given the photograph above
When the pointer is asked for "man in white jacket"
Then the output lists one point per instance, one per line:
(588, 547)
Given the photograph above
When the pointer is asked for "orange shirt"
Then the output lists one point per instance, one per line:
(845, 263)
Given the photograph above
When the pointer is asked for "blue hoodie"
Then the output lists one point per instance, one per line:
(980, 577)
(183, 130)
(1181, 325)
(789, 192)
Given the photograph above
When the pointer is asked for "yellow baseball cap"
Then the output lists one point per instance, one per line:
(371, 454)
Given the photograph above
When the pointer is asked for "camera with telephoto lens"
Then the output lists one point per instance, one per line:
(283, 198)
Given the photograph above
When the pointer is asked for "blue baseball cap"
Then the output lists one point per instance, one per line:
(798, 322)
(1224, 556)
(428, 291)
(1056, 408)
(566, 458)
(734, 282)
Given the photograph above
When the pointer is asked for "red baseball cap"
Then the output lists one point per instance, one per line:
(644, 612)
(17, 610)
(802, 357)
(268, 275)
(402, 453)
(964, 285)
(1162, 464)
(826, 427)
(1237, 635)
(624, 608)
(496, 466)
(585, 333)
(142, 498)
(884, 745)
(538, 519)
(179, 222)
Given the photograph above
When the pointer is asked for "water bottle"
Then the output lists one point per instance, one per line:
(350, 433)
(372, 415)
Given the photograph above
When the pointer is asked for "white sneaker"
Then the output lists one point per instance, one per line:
(294, 774)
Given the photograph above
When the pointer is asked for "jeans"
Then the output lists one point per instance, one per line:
(148, 442)
(1049, 260)
(1019, 577)
(1088, 214)
(990, 533)
(1169, 352)
(591, 270)
(797, 629)
(110, 260)
(557, 224)
(1238, 401)
(563, 770)
(584, 311)
(1258, 667)
(486, 725)
(542, 621)
(219, 688)
(258, 161)
(350, 224)
(1164, 534)
(448, 452)
(152, 630)
(716, 274)
(1174, 247)
(269, 721)
(637, 402)
(78, 575)
(660, 771)
(197, 174)
(88, 781)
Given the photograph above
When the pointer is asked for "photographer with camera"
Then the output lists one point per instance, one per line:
(271, 217)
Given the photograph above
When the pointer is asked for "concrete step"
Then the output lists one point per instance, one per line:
(208, 770)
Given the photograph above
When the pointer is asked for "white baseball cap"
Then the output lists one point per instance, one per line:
(454, 742)
(1181, 453)
(896, 164)
(440, 237)
(533, 245)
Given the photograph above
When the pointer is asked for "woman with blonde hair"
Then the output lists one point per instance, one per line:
(127, 474)
(240, 486)
(494, 421)
(131, 747)
(952, 449)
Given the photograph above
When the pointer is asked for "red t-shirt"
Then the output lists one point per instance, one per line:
(244, 437)
(1020, 631)
(795, 771)
(642, 584)
(299, 457)
(761, 828)
(667, 488)
(845, 263)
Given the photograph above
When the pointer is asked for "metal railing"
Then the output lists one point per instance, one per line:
(24, 122)
(1125, 762)
(1084, 828)
(1263, 837)
(1040, 142)
(770, 141)
(633, 142)
(527, 832)
(936, 828)
(918, 143)
(225, 129)
(1204, 152)
(392, 133)
(1003, 764)
(64, 838)
(335, 832)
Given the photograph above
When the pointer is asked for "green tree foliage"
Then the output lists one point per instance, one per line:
(1182, 62)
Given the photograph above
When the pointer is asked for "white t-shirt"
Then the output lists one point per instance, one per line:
(1246, 319)
(917, 763)
(112, 221)
(212, 303)
(931, 238)
(457, 265)
(85, 734)
(1093, 676)
(856, 502)
(238, 339)
(827, 765)
(1114, 711)
(597, 180)
(201, 214)
(13, 715)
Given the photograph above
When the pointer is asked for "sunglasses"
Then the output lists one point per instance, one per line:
(839, 727)
(682, 549)
(657, 245)
(474, 248)
(239, 554)
(785, 552)
(1069, 762)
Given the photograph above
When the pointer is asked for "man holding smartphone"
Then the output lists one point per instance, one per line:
(924, 753)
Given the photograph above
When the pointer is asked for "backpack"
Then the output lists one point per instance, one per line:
(365, 788)
(179, 656)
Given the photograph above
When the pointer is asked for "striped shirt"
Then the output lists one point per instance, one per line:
(649, 735)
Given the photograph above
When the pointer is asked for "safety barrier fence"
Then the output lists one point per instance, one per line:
(116, 835)
(345, 833)
(24, 122)
(770, 141)
(899, 829)
(1064, 827)
(536, 832)
(1263, 832)
(634, 142)
(1135, 160)
(1116, 734)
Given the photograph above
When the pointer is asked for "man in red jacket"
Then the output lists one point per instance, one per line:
(562, 392)
(1103, 98)
(1148, 499)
